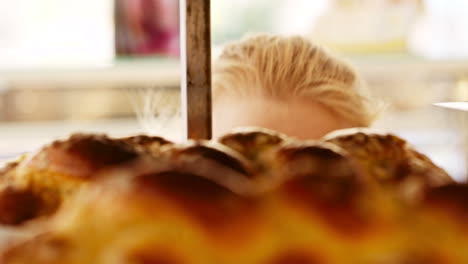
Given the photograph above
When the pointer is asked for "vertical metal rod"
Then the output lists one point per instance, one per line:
(195, 36)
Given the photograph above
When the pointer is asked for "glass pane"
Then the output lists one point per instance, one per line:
(87, 66)
(412, 53)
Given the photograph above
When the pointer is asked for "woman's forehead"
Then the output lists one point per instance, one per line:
(296, 118)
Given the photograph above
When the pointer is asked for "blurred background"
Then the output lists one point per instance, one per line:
(112, 66)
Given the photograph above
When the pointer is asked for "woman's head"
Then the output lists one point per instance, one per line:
(287, 84)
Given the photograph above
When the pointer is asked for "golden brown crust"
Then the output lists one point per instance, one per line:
(452, 200)
(155, 254)
(148, 144)
(313, 158)
(324, 183)
(252, 197)
(8, 169)
(214, 152)
(258, 147)
(18, 206)
(391, 161)
(250, 143)
(297, 257)
(81, 155)
(51, 175)
(43, 249)
(213, 207)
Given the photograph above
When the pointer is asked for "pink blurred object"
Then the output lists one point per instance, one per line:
(147, 27)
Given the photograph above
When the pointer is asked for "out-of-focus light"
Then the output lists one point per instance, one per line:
(463, 106)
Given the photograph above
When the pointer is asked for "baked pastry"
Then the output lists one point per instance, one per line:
(257, 197)
(58, 170)
(391, 161)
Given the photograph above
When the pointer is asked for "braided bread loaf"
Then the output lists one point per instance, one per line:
(252, 197)
(36, 184)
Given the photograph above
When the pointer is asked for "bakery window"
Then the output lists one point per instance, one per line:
(112, 66)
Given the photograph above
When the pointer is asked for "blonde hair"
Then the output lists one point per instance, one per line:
(287, 67)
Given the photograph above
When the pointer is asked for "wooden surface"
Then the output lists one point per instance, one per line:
(196, 67)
